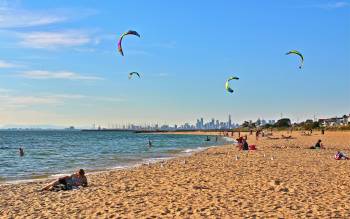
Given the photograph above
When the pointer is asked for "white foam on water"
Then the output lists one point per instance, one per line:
(194, 150)
(156, 160)
(228, 139)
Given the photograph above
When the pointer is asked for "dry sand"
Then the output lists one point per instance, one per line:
(220, 182)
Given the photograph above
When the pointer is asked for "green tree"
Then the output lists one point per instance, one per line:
(283, 123)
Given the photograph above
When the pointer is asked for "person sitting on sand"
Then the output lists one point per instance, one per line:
(240, 143)
(76, 179)
(318, 145)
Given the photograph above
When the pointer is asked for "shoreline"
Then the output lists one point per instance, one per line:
(287, 182)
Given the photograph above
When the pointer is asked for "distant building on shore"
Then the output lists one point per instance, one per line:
(335, 121)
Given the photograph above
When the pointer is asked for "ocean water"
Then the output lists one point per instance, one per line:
(50, 153)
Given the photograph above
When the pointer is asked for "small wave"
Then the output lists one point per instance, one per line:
(58, 175)
(194, 150)
(156, 159)
(120, 167)
(228, 139)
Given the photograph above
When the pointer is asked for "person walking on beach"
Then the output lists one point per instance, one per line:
(76, 179)
(21, 152)
(257, 134)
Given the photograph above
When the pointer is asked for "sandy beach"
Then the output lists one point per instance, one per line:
(282, 179)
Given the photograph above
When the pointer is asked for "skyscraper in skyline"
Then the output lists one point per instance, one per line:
(229, 121)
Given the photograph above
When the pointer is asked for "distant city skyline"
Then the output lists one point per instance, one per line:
(201, 124)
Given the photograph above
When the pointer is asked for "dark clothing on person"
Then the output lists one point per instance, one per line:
(318, 145)
(245, 146)
(21, 152)
(62, 181)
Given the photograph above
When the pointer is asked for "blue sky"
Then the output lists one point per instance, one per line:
(59, 64)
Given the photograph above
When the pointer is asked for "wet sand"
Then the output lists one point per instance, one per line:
(282, 179)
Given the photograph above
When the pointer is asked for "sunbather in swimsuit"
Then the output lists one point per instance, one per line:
(76, 179)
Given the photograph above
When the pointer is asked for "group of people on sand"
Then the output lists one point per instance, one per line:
(338, 156)
(242, 144)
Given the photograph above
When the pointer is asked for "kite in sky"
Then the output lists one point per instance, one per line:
(130, 32)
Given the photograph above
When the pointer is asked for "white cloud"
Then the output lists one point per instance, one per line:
(334, 5)
(11, 100)
(5, 64)
(51, 40)
(17, 18)
(67, 75)
(14, 101)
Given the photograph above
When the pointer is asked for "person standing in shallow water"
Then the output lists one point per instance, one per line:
(21, 152)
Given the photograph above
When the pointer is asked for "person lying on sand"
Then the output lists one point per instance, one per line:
(273, 138)
(76, 179)
(340, 156)
(286, 137)
(318, 145)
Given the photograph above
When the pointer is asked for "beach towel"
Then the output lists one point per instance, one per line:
(252, 147)
(61, 187)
